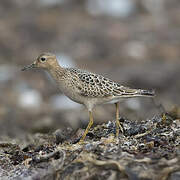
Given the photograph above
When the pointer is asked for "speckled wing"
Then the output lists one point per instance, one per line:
(93, 85)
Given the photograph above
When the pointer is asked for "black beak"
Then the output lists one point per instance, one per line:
(28, 67)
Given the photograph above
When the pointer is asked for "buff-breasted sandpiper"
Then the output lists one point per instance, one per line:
(87, 88)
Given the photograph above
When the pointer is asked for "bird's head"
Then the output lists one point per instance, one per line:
(43, 61)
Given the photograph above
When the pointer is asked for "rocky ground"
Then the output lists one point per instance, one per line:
(146, 150)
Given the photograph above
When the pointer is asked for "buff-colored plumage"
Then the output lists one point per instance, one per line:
(85, 87)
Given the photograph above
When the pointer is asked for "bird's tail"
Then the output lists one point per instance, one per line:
(142, 92)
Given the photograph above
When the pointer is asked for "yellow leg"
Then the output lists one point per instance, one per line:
(88, 127)
(118, 125)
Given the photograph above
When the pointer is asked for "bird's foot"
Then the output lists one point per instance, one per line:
(118, 126)
(81, 141)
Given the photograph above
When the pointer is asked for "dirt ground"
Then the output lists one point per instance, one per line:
(146, 150)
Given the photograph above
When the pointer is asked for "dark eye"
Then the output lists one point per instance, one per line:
(43, 58)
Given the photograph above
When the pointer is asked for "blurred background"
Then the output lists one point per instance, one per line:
(134, 42)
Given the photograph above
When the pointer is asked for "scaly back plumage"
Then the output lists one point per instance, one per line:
(93, 85)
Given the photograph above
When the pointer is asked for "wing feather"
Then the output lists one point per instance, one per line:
(94, 85)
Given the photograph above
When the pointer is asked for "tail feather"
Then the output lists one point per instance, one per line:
(146, 92)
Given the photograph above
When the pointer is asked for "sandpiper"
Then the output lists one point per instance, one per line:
(86, 88)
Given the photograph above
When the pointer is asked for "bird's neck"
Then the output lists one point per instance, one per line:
(57, 72)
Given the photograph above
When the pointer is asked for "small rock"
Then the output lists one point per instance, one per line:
(62, 134)
(175, 176)
(88, 147)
